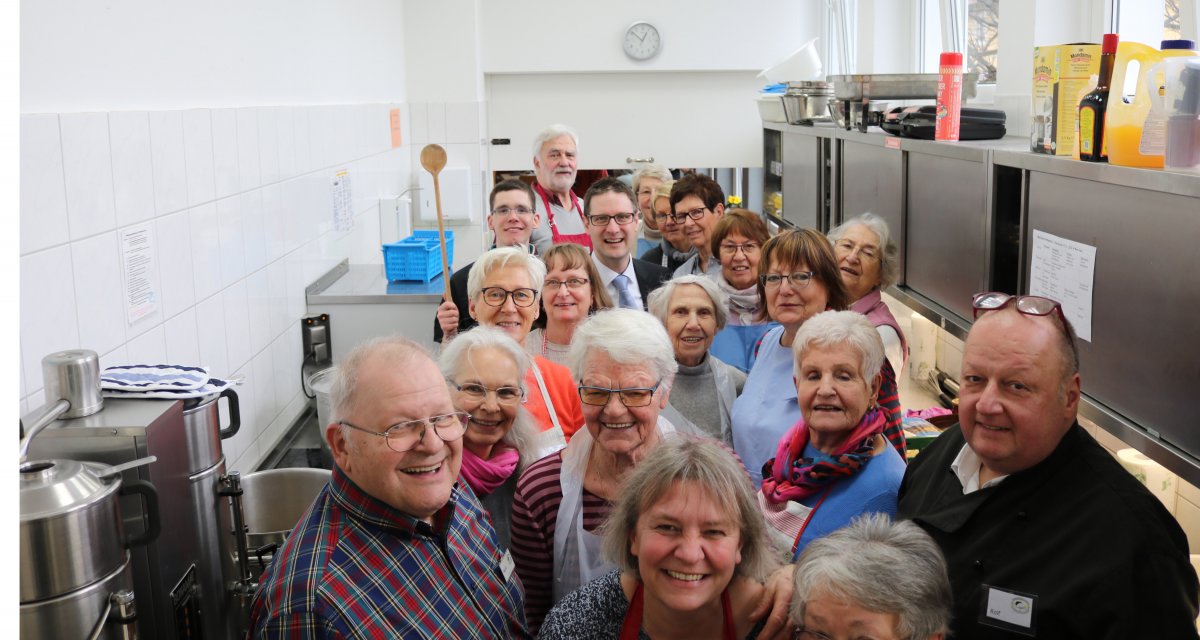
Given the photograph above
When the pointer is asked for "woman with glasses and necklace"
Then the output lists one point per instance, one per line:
(503, 289)
(625, 365)
(572, 292)
(738, 240)
(697, 203)
(674, 249)
(486, 372)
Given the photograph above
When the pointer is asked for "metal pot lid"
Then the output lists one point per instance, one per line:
(810, 87)
(54, 487)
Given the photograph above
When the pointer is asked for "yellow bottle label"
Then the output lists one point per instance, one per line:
(1087, 129)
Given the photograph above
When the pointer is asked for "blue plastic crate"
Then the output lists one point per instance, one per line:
(417, 257)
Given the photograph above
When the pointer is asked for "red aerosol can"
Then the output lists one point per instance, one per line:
(949, 96)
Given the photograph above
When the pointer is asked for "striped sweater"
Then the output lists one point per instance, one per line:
(534, 519)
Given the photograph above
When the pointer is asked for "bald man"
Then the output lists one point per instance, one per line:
(1044, 533)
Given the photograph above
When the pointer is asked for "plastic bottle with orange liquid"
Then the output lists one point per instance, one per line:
(1132, 140)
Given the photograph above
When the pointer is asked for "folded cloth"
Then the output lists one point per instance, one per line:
(214, 385)
(149, 377)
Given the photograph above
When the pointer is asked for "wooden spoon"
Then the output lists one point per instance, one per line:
(433, 158)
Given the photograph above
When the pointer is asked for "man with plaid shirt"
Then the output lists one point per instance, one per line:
(394, 546)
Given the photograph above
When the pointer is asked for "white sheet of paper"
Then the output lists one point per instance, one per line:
(1064, 270)
(343, 211)
(138, 274)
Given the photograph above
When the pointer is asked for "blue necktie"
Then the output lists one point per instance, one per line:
(627, 300)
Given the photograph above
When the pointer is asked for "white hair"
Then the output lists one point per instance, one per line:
(502, 257)
(659, 302)
(840, 327)
(881, 566)
(628, 336)
(343, 397)
(889, 253)
(458, 353)
(650, 171)
(551, 132)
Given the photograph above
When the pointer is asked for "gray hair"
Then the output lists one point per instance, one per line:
(503, 257)
(343, 398)
(889, 253)
(659, 301)
(829, 328)
(705, 464)
(881, 566)
(551, 132)
(628, 336)
(523, 434)
(650, 171)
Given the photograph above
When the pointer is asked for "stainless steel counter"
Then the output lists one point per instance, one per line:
(362, 304)
(366, 284)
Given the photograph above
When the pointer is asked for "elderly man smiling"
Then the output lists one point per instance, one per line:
(559, 210)
(395, 546)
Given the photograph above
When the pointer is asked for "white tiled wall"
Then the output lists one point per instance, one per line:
(242, 219)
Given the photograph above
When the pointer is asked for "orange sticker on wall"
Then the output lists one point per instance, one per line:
(394, 117)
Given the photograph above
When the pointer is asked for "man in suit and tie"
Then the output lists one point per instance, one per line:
(611, 210)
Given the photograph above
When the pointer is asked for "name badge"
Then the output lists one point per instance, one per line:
(1010, 610)
(507, 565)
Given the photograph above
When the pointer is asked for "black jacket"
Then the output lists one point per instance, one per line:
(650, 276)
(1102, 555)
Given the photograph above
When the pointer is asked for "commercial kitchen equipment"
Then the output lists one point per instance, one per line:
(186, 582)
(863, 88)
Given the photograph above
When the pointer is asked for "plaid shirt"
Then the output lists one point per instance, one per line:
(354, 567)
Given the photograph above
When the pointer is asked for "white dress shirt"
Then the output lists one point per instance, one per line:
(607, 275)
(966, 466)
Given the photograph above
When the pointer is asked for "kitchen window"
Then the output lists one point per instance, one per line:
(969, 26)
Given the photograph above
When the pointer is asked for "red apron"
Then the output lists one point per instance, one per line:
(556, 237)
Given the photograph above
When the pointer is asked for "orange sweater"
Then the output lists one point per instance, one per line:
(563, 393)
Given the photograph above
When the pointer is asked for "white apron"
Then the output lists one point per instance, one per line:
(577, 557)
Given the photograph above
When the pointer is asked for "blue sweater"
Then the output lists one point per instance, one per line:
(872, 490)
(767, 407)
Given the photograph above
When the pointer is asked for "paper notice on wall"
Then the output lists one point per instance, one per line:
(1064, 270)
(343, 210)
(394, 125)
(139, 277)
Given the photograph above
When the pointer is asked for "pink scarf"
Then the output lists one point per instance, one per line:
(485, 476)
(789, 476)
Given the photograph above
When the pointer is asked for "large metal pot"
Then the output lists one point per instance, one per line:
(71, 534)
(202, 427)
(274, 501)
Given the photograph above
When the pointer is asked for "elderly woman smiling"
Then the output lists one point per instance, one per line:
(572, 291)
(738, 240)
(873, 579)
(625, 365)
(835, 462)
(868, 262)
(689, 542)
(486, 371)
(504, 287)
(693, 310)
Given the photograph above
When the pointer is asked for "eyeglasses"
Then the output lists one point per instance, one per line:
(495, 296)
(504, 395)
(694, 214)
(798, 279)
(603, 220)
(404, 436)
(804, 634)
(871, 252)
(1028, 305)
(663, 217)
(572, 283)
(748, 248)
(631, 397)
(504, 211)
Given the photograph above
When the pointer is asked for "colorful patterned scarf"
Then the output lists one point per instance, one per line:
(788, 476)
(485, 476)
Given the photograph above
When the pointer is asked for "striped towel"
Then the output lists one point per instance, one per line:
(153, 377)
(213, 385)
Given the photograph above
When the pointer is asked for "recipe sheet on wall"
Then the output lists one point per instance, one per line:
(1064, 270)
(138, 275)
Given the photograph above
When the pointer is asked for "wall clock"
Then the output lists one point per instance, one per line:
(641, 41)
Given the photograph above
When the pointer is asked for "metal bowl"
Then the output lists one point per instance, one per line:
(805, 109)
(275, 500)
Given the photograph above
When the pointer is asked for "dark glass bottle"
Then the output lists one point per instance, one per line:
(1094, 106)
